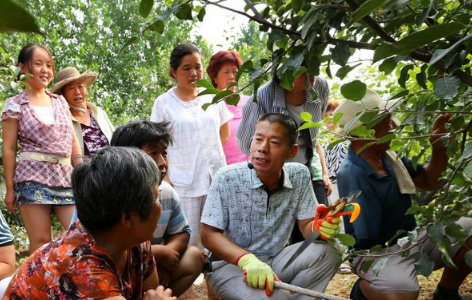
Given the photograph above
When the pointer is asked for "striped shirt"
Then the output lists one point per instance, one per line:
(172, 220)
(271, 99)
(6, 237)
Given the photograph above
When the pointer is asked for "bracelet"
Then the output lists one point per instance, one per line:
(76, 157)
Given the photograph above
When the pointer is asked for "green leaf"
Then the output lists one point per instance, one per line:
(295, 61)
(386, 138)
(346, 239)
(456, 231)
(13, 17)
(128, 42)
(417, 40)
(328, 70)
(379, 265)
(245, 68)
(184, 12)
(233, 100)
(423, 265)
(467, 152)
(157, 26)
(388, 65)
(340, 54)
(204, 83)
(364, 147)
(354, 90)
(206, 105)
(440, 53)
(309, 125)
(421, 79)
(366, 8)
(404, 75)
(422, 17)
(297, 5)
(366, 265)
(467, 173)
(337, 117)
(221, 95)
(342, 72)
(211, 91)
(201, 14)
(306, 116)
(376, 248)
(436, 232)
(334, 143)
(468, 258)
(447, 87)
(145, 7)
(362, 132)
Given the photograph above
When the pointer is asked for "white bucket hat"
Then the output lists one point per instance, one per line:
(352, 111)
(69, 74)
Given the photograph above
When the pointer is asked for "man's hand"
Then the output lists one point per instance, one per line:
(166, 257)
(258, 275)
(327, 227)
(159, 294)
(438, 130)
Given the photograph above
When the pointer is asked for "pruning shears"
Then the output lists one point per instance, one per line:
(341, 207)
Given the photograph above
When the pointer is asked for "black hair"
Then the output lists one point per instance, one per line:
(287, 122)
(138, 133)
(27, 52)
(115, 181)
(179, 52)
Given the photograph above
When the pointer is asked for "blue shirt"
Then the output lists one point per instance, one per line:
(172, 220)
(383, 208)
(238, 204)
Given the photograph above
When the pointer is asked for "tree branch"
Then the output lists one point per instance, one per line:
(292, 33)
(352, 44)
(254, 10)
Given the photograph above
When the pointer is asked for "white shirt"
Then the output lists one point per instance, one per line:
(44, 113)
(196, 152)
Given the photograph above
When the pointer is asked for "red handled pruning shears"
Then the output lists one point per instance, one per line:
(341, 207)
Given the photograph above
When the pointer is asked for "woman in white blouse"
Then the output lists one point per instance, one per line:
(198, 135)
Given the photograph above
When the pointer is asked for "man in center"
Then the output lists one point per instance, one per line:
(249, 215)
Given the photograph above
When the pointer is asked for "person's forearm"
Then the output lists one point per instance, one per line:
(220, 245)
(321, 155)
(178, 242)
(6, 270)
(9, 164)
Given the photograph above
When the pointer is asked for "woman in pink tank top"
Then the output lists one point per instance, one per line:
(222, 69)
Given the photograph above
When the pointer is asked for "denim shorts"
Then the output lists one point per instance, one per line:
(30, 192)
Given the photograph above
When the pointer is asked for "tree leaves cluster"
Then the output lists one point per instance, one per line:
(425, 44)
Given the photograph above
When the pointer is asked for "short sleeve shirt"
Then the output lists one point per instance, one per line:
(172, 220)
(6, 237)
(196, 152)
(383, 207)
(36, 136)
(74, 266)
(271, 99)
(238, 204)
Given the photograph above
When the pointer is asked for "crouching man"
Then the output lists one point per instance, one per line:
(249, 215)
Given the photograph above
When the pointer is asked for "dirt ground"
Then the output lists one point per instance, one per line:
(341, 285)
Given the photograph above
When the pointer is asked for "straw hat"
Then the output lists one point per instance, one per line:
(351, 110)
(69, 74)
